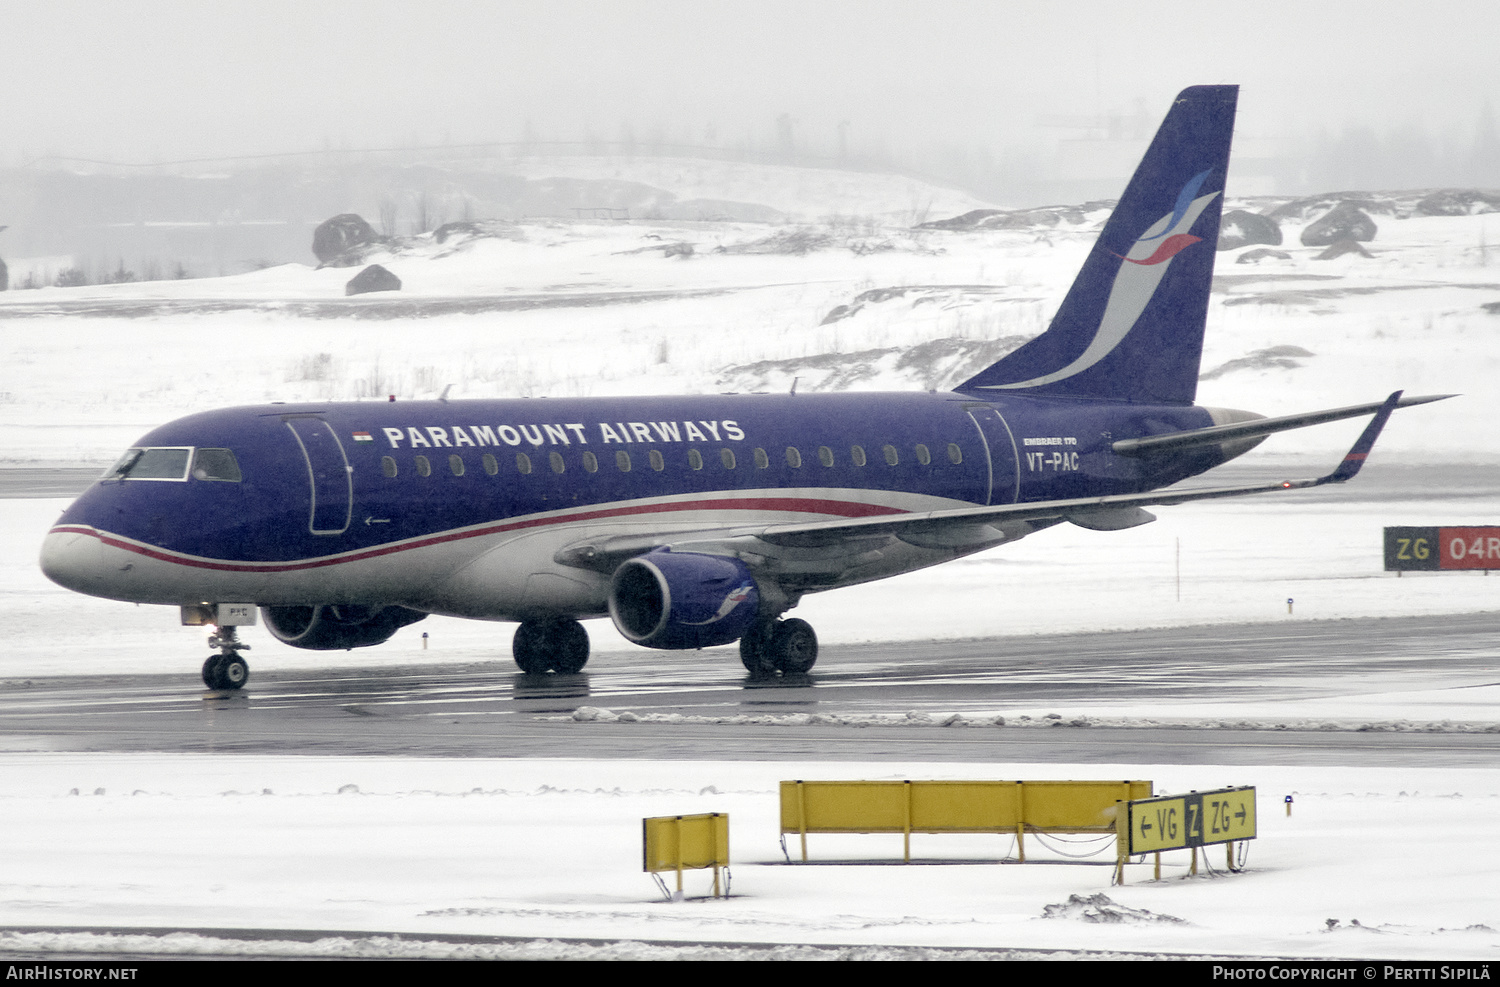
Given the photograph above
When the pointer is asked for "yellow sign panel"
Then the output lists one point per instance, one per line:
(1157, 825)
(1176, 822)
(685, 842)
(1227, 815)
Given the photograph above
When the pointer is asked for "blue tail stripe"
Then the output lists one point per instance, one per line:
(1184, 199)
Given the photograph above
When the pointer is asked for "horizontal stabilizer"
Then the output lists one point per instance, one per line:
(1175, 441)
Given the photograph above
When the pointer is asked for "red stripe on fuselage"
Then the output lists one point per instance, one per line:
(835, 508)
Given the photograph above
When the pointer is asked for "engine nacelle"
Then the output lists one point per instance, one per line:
(332, 627)
(678, 600)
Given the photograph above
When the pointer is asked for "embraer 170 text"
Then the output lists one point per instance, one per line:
(691, 521)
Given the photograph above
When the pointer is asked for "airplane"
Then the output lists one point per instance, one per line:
(692, 521)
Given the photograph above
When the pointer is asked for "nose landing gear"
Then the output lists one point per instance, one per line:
(226, 670)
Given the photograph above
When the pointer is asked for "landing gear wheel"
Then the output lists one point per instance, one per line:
(754, 648)
(225, 672)
(786, 646)
(234, 672)
(542, 646)
(794, 647)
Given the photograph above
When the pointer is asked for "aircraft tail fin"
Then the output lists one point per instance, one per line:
(1131, 327)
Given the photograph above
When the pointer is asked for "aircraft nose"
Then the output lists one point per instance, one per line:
(73, 560)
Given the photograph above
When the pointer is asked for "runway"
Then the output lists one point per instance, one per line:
(701, 705)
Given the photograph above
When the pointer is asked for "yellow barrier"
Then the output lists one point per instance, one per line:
(953, 807)
(685, 843)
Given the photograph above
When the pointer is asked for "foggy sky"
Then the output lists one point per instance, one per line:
(165, 79)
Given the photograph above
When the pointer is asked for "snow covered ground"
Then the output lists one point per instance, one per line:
(1371, 863)
(549, 848)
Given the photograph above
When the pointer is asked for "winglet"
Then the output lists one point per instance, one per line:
(1355, 457)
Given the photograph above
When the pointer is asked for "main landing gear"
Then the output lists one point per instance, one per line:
(560, 645)
(226, 670)
(786, 646)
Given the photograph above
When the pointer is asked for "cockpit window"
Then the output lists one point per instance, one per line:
(216, 464)
(122, 465)
(167, 463)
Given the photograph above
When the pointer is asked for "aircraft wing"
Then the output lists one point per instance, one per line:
(964, 529)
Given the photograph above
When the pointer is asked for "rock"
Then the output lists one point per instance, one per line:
(1304, 209)
(967, 221)
(1340, 248)
(1345, 221)
(448, 230)
(1263, 253)
(1240, 229)
(836, 313)
(1458, 202)
(372, 278)
(4, 276)
(339, 242)
(1017, 219)
(1491, 307)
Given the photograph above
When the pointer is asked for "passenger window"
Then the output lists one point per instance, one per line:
(388, 466)
(424, 468)
(857, 455)
(622, 460)
(523, 462)
(923, 456)
(695, 459)
(657, 463)
(216, 464)
(590, 463)
(825, 455)
(891, 456)
(955, 454)
(793, 457)
(456, 464)
(726, 456)
(490, 466)
(557, 462)
(762, 461)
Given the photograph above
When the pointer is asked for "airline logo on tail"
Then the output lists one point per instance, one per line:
(1135, 284)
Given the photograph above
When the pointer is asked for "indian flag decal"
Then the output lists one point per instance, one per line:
(363, 437)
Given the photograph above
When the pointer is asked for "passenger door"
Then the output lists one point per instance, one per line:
(329, 475)
(1000, 444)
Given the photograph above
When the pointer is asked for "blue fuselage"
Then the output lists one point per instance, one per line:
(389, 502)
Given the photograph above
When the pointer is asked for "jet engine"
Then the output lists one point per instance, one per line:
(675, 600)
(330, 627)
